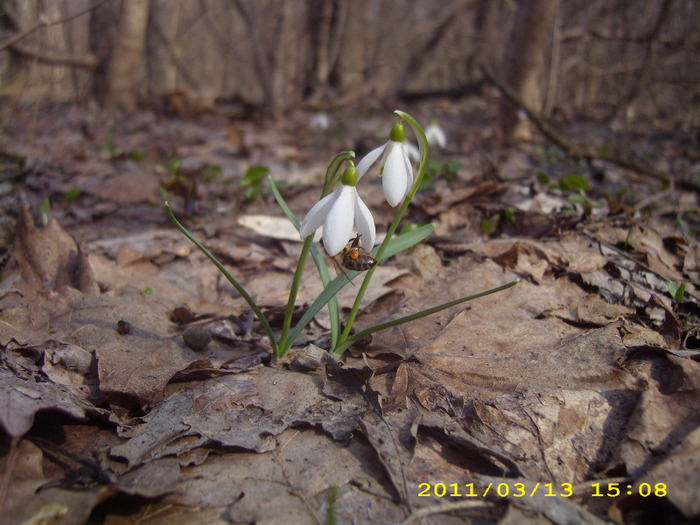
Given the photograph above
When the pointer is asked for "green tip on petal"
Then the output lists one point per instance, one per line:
(350, 176)
(398, 132)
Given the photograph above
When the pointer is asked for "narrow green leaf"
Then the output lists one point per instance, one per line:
(412, 317)
(423, 146)
(329, 292)
(239, 288)
(680, 293)
(405, 240)
(321, 265)
(676, 291)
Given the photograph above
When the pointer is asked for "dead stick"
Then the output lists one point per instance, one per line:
(570, 148)
(45, 22)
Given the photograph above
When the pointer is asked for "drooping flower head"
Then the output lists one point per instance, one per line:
(395, 167)
(435, 135)
(339, 212)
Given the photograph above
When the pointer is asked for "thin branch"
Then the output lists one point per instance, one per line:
(569, 148)
(437, 33)
(45, 22)
(87, 61)
(169, 49)
(651, 41)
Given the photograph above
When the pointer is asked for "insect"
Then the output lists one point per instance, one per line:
(353, 258)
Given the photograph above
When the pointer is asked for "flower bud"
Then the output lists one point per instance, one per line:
(398, 132)
(350, 176)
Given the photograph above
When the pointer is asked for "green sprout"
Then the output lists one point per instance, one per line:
(253, 180)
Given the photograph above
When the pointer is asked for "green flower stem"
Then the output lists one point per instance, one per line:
(239, 288)
(412, 317)
(323, 272)
(334, 173)
(424, 150)
(296, 283)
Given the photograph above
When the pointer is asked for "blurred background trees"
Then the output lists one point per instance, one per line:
(594, 58)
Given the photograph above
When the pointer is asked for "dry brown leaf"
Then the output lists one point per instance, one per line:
(393, 438)
(21, 400)
(244, 410)
(51, 257)
(292, 481)
(658, 424)
(130, 187)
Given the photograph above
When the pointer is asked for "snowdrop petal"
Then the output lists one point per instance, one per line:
(435, 135)
(409, 172)
(365, 224)
(411, 151)
(317, 214)
(395, 175)
(337, 229)
(369, 159)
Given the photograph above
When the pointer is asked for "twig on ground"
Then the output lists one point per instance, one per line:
(568, 147)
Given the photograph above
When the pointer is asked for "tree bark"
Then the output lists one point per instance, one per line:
(123, 73)
(524, 64)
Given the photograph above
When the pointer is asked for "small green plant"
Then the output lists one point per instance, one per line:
(115, 153)
(44, 210)
(73, 194)
(440, 169)
(253, 180)
(348, 232)
(332, 501)
(212, 173)
(574, 182)
(677, 292)
(578, 185)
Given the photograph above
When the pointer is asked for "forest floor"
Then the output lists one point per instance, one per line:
(571, 397)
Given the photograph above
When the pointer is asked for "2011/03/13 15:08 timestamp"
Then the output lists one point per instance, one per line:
(520, 490)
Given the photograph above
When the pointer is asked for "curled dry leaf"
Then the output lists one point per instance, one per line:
(51, 257)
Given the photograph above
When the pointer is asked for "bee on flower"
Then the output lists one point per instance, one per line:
(339, 213)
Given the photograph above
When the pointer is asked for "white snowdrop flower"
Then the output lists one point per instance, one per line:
(339, 212)
(319, 121)
(395, 167)
(435, 135)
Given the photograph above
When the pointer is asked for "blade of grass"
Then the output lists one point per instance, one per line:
(405, 241)
(412, 317)
(328, 293)
(239, 288)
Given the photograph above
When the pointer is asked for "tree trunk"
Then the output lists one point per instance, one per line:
(123, 75)
(524, 64)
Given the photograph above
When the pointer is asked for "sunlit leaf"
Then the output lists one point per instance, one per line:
(254, 176)
(73, 193)
(574, 183)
